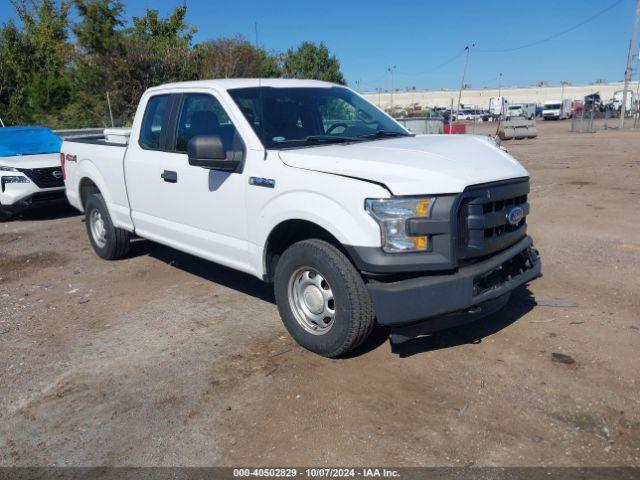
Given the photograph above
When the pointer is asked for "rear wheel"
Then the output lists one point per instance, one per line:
(107, 241)
(322, 298)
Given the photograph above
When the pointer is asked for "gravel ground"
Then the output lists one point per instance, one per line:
(165, 359)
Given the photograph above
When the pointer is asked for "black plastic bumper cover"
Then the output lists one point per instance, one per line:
(409, 301)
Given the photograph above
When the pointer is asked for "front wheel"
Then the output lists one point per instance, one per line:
(322, 298)
(5, 215)
(107, 241)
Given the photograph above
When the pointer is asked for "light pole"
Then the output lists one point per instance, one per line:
(562, 84)
(467, 49)
(627, 72)
(499, 84)
(391, 69)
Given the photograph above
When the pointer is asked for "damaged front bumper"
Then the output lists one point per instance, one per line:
(438, 302)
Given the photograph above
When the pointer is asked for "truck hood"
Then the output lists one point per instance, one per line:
(424, 164)
(43, 160)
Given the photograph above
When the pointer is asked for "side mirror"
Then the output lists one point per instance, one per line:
(207, 151)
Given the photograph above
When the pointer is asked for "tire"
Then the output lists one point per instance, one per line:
(307, 274)
(109, 242)
(5, 215)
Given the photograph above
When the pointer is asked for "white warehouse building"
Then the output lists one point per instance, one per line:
(479, 98)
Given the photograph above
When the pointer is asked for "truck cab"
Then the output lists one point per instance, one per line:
(306, 185)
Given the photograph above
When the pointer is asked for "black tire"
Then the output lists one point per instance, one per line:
(116, 240)
(354, 317)
(5, 215)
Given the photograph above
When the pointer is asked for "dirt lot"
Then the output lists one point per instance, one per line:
(164, 359)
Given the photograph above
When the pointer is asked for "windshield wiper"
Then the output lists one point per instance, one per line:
(321, 139)
(384, 133)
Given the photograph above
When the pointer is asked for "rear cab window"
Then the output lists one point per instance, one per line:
(154, 121)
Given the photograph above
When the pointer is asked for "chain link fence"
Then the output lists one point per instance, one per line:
(594, 120)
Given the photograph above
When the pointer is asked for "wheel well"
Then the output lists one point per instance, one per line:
(87, 188)
(289, 232)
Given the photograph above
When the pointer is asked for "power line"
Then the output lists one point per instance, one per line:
(555, 35)
(437, 67)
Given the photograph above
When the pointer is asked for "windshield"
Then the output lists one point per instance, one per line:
(552, 106)
(294, 117)
(15, 141)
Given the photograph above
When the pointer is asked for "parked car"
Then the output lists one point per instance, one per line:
(30, 171)
(470, 114)
(306, 185)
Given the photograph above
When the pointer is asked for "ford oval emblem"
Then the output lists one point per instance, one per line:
(56, 174)
(515, 215)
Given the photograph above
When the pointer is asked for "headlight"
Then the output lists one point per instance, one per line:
(12, 179)
(392, 215)
(16, 179)
(7, 169)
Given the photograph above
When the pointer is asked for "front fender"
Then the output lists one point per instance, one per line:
(346, 221)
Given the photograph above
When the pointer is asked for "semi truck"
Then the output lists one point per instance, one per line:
(304, 184)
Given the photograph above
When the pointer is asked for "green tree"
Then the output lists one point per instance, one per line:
(312, 61)
(100, 37)
(235, 58)
(171, 30)
(33, 78)
(99, 29)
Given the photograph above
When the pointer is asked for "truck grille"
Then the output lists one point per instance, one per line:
(45, 177)
(484, 222)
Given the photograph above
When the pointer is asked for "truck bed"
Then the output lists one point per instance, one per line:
(103, 161)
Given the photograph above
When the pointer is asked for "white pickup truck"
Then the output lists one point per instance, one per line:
(307, 185)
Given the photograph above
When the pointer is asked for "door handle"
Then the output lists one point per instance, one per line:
(169, 176)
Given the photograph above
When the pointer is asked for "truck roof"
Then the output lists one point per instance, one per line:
(230, 83)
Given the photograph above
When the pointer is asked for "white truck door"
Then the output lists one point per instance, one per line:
(190, 208)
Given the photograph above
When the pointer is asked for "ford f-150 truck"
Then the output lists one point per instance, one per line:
(307, 185)
(30, 171)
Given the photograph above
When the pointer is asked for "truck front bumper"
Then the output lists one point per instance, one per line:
(450, 299)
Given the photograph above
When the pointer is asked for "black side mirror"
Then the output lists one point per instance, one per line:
(207, 151)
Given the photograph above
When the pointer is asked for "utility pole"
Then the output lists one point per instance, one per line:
(562, 84)
(391, 70)
(467, 49)
(627, 72)
(110, 112)
(499, 84)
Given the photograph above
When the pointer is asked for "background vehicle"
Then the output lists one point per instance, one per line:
(30, 170)
(593, 102)
(618, 98)
(307, 185)
(471, 114)
(526, 110)
(498, 106)
(557, 109)
(577, 107)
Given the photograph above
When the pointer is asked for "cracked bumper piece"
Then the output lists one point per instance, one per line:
(480, 288)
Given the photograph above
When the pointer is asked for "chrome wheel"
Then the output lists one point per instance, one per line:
(311, 300)
(98, 230)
